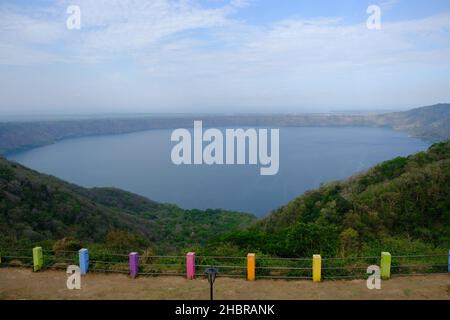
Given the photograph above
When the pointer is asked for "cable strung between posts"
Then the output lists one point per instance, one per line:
(54, 261)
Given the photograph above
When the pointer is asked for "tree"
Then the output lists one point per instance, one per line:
(349, 242)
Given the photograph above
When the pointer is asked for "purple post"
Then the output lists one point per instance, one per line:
(134, 266)
(190, 265)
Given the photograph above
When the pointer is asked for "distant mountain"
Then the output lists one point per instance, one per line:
(429, 123)
(407, 199)
(38, 207)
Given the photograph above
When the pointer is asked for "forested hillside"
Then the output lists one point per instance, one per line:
(429, 123)
(404, 202)
(36, 207)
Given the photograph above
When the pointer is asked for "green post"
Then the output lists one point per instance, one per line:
(385, 265)
(38, 259)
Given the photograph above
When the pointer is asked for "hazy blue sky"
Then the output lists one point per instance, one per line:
(222, 55)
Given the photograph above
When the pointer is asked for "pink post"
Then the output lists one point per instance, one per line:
(190, 265)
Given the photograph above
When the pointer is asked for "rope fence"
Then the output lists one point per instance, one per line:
(250, 267)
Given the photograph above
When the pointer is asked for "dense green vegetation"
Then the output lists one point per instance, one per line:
(36, 208)
(402, 206)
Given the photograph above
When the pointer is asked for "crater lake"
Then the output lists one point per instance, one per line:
(141, 163)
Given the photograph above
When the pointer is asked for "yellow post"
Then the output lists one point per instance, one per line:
(38, 259)
(317, 267)
(251, 259)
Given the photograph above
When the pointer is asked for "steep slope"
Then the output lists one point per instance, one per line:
(38, 207)
(404, 198)
(430, 123)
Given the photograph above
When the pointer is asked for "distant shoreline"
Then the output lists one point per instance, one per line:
(431, 124)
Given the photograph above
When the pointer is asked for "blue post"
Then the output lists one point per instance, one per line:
(84, 260)
(448, 260)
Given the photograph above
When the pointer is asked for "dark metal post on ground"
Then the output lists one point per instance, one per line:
(211, 272)
(211, 293)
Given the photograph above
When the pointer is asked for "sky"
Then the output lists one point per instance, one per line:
(215, 56)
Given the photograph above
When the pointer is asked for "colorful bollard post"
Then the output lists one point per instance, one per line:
(190, 265)
(317, 268)
(83, 255)
(251, 263)
(385, 265)
(134, 264)
(38, 259)
(448, 260)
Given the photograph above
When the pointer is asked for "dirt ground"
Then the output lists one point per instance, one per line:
(24, 284)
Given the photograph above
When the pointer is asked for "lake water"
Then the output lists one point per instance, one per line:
(140, 163)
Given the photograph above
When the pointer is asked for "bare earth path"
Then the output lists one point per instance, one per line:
(24, 284)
